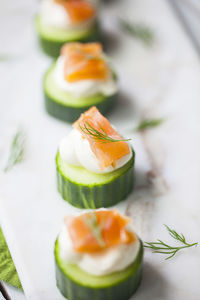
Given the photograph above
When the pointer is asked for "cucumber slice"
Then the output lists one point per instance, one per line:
(76, 284)
(85, 189)
(52, 39)
(66, 107)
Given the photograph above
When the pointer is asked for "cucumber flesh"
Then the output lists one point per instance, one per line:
(67, 107)
(85, 189)
(52, 39)
(65, 98)
(76, 284)
(62, 35)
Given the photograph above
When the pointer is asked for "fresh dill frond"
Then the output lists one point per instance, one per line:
(16, 150)
(96, 229)
(100, 134)
(139, 31)
(163, 248)
(149, 123)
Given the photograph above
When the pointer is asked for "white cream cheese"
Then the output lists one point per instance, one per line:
(76, 151)
(83, 88)
(102, 263)
(54, 15)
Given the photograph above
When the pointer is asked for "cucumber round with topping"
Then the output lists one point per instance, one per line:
(85, 189)
(76, 284)
(66, 107)
(52, 39)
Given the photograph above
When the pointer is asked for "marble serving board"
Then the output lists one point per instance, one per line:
(158, 81)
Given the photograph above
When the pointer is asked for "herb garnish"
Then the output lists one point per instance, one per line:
(99, 134)
(86, 204)
(163, 248)
(16, 150)
(139, 31)
(91, 221)
(149, 123)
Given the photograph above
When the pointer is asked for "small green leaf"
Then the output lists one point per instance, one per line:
(149, 123)
(139, 31)
(16, 150)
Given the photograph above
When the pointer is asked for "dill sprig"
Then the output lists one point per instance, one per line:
(91, 221)
(163, 248)
(149, 123)
(96, 229)
(99, 134)
(16, 150)
(139, 31)
(86, 204)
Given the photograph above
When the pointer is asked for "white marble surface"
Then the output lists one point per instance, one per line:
(162, 81)
(188, 12)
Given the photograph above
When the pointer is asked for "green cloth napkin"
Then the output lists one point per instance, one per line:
(8, 271)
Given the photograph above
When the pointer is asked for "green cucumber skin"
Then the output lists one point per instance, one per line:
(97, 196)
(71, 114)
(52, 48)
(57, 106)
(120, 291)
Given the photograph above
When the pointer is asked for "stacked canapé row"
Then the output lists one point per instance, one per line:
(97, 253)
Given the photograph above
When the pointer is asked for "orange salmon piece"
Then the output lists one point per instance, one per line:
(84, 61)
(78, 10)
(112, 227)
(105, 151)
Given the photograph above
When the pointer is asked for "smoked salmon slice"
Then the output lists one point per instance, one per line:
(84, 61)
(78, 10)
(106, 151)
(99, 230)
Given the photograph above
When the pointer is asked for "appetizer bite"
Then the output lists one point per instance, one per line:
(94, 163)
(98, 256)
(80, 78)
(61, 21)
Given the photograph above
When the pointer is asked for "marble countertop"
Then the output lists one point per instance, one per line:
(161, 81)
(188, 12)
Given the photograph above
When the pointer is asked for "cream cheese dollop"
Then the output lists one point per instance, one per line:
(76, 151)
(83, 88)
(105, 262)
(54, 15)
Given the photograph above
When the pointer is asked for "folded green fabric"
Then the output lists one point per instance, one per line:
(8, 271)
